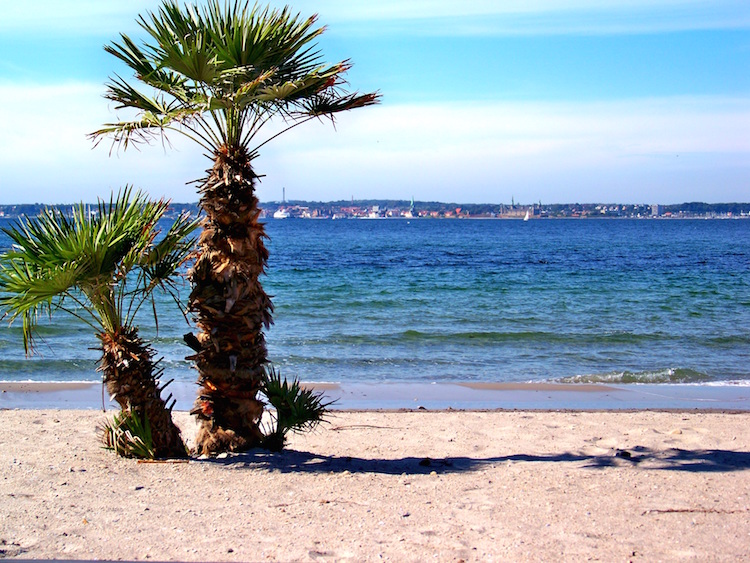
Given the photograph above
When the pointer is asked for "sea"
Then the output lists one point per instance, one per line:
(615, 301)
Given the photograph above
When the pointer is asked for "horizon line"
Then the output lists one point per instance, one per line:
(406, 201)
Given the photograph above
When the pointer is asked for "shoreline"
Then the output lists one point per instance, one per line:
(394, 396)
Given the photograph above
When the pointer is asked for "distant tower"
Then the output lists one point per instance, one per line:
(283, 196)
(411, 207)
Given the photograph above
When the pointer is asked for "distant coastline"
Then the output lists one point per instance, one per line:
(403, 209)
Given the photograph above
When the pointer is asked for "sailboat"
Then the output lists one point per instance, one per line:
(411, 213)
(526, 217)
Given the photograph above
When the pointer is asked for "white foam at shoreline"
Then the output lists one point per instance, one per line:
(530, 382)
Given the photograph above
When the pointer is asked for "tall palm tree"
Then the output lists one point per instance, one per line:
(218, 75)
(101, 268)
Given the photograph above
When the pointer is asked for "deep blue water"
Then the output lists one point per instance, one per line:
(480, 300)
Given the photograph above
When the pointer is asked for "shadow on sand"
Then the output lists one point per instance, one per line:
(657, 460)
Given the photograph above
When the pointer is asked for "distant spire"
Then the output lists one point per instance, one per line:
(283, 196)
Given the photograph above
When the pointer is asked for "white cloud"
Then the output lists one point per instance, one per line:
(520, 17)
(66, 17)
(661, 149)
(617, 151)
(45, 155)
(444, 17)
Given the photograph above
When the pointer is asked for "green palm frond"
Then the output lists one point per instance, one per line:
(298, 409)
(28, 292)
(170, 253)
(160, 265)
(86, 260)
(327, 105)
(127, 96)
(126, 133)
(220, 72)
(129, 435)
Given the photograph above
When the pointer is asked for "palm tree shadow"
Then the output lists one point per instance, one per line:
(293, 461)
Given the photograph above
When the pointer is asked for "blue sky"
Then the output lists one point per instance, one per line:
(577, 101)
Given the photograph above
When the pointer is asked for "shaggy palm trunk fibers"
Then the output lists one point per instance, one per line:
(231, 308)
(129, 376)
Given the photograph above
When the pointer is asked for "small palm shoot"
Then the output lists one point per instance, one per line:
(297, 409)
(101, 268)
(129, 435)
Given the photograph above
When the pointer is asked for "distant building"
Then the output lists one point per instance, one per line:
(657, 210)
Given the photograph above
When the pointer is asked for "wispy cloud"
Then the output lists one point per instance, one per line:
(654, 149)
(45, 154)
(629, 150)
(442, 17)
(72, 17)
(519, 17)
(619, 128)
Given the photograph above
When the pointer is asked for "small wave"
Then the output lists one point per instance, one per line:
(53, 381)
(417, 336)
(488, 337)
(728, 383)
(36, 364)
(676, 375)
(730, 340)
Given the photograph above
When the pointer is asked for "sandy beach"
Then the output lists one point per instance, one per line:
(397, 486)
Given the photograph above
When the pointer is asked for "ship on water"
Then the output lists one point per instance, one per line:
(281, 212)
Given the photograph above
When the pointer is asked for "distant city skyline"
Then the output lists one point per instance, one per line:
(372, 208)
(632, 102)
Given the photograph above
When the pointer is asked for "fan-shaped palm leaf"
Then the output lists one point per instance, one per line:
(218, 70)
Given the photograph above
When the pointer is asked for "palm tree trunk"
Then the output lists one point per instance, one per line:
(231, 308)
(129, 376)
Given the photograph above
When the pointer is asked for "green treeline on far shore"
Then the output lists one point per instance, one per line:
(373, 208)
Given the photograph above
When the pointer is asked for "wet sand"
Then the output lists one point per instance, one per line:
(395, 486)
(437, 396)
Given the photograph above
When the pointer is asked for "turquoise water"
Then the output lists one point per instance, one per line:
(618, 301)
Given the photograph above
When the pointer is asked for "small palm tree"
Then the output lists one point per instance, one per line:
(101, 268)
(219, 75)
(297, 409)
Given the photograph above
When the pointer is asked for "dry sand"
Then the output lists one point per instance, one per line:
(399, 486)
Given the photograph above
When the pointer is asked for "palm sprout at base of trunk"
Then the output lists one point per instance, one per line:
(131, 379)
(231, 307)
(129, 435)
(297, 409)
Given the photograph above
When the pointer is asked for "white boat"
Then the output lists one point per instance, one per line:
(526, 218)
(281, 212)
